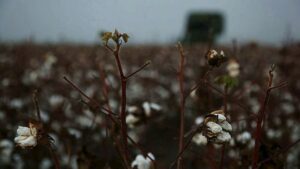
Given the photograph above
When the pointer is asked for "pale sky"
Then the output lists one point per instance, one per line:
(146, 21)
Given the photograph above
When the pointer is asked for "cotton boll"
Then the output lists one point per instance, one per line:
(155, 106)
(23, 131)
(214, 127)
(131, 120)
(26, 137)
(199, 120)
(223, 137)
(194, 94)
(142, 162)
(45, 163)
(2, 115)
(6, 149)
(226, 126)
(132, 109)
(233, 68)
(147, 108)
(243, 137)
(45, 116)
(75, 133)
(23, 141)
(221, 117)
(55, 100)
(199, 139)
(16, 103)
(84, 121)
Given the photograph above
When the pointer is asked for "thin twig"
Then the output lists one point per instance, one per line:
(36, 105)
(138, 70)
(142, 150)
(105, 111)
(122, 114)
(54, 157)
(182, 103)
(281, 152)
(225, 112)
(261, 117)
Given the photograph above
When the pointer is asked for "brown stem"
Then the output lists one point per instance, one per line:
(54, 157)
(261, 118)
(122, 113)
(138, 70)
(182, 102)
(282, 151)
(36, 105)
(104, 110)
(225, 112)
(190, 134)
(142, 150)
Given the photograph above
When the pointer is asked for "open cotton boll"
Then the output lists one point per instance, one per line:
(26, 136)
(155, 106)
(23, 131)
(234, 73)
(233, 68)
(132, 109)
(131, 120)
(214, 127)
(26, 141)
(243, 137)
(226, 126)
(143, 163)
(221, 117)
(223, 137)
(199, 139)
(147, 108)
(6, 149)
(199, 120)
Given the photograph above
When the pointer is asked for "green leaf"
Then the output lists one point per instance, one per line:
(227, 80)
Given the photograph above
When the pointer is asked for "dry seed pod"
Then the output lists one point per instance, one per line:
(218, 112)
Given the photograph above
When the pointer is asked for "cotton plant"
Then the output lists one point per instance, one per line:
(137, 114)
(215, 129)
(230, 79)
(142, 162)
(215, 59)
(34, 134)
(27, 136)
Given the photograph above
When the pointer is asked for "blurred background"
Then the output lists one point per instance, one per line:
(43, 41)
(150, 21)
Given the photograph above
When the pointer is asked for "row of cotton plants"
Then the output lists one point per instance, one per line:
(110, 109)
